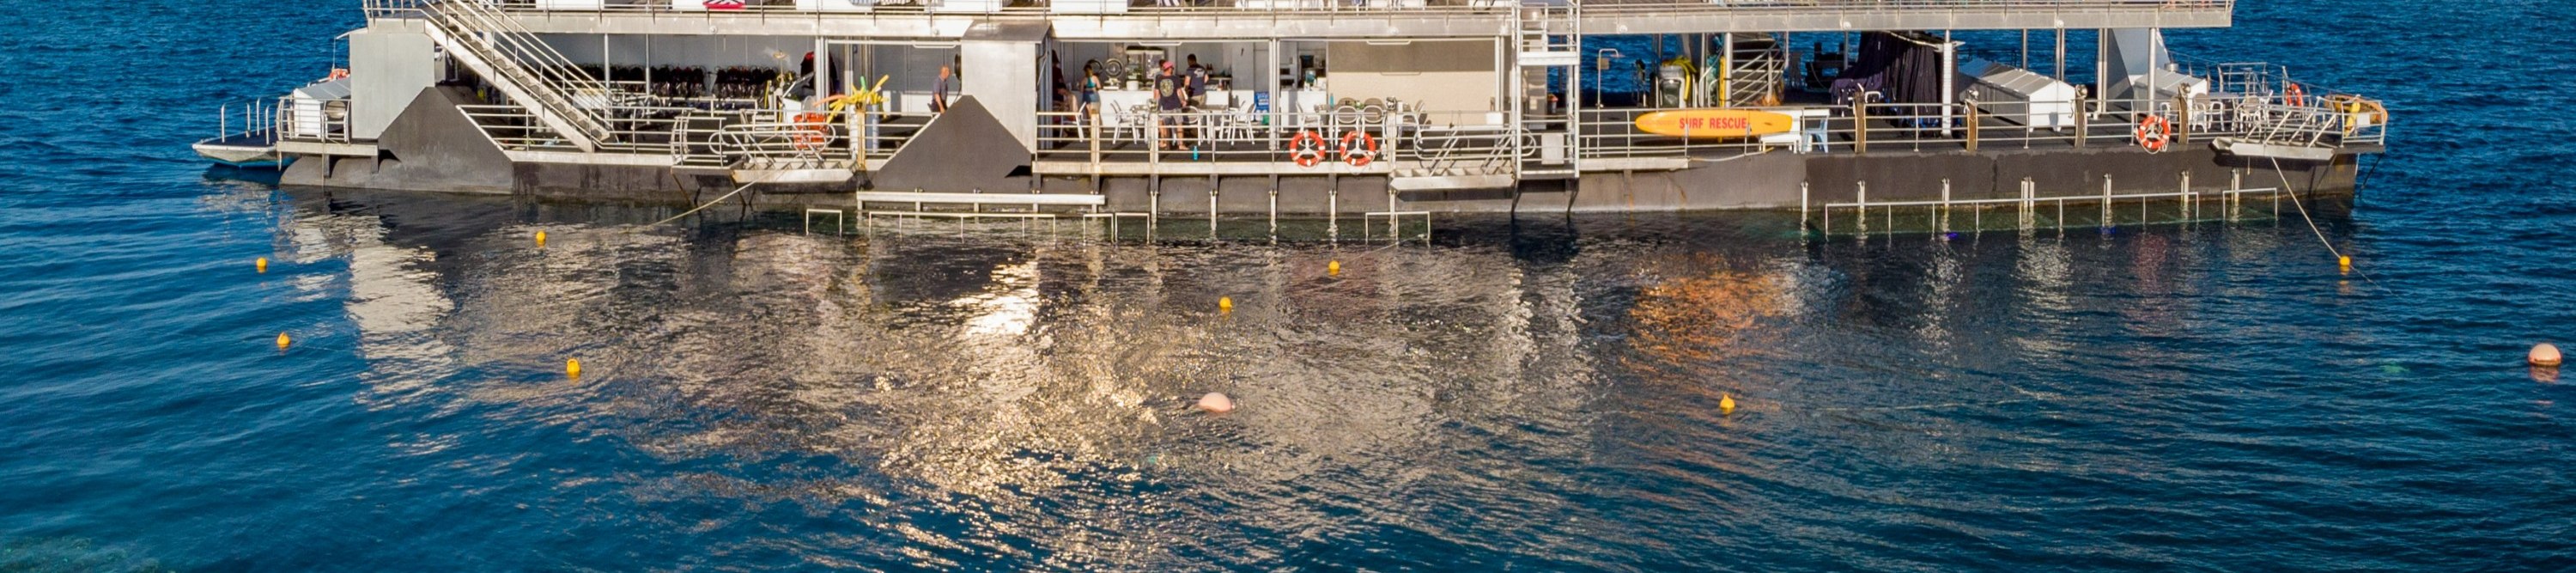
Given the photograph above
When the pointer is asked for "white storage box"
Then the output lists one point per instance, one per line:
(2021, 96)
(316, 108)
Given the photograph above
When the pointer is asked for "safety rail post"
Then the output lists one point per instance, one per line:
(1970, 110)
(2235, 193)
(1860, 125)
(1860, 208)
(1944, 209)
(2026, 212)
(1802, 208)
(2191, 203)
(2106, 200)
(2083, 119)
(2182, 122)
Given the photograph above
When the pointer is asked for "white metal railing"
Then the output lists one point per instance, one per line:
(756, 138)
(1413, 143)
(2312, 120)
(252, 121)
(1885, 6)
(1372, 136)
(407, 8)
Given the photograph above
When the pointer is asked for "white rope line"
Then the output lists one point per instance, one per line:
(2312, 222)
(736, 191)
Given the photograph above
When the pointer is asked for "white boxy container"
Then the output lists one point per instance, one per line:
(2020, 95)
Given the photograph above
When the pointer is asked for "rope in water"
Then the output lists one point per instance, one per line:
(2312, 222)
(712, 203)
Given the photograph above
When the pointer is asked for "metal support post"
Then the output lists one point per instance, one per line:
(2106, 200)
(1802, 208)
(1861, 208)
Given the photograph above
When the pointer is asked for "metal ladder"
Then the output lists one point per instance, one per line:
(523, 67)
(1757, 73)
(1548, 38)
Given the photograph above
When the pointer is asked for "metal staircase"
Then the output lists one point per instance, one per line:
(509, 58)
(1756, 71)
(1548, 39)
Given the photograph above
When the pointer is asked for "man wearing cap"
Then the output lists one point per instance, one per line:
(1170, 94)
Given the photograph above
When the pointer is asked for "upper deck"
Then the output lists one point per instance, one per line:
(1250, 19)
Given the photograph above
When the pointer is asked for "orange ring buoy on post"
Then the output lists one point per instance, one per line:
(2153, 133)
(2294, 95)
(1307, 148)
(812, 130)
(1357, 156)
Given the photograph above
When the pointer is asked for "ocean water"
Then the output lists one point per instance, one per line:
(1515, 395)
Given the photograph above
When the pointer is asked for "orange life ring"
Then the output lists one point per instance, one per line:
(2294, 95)
(812, 130)
(2153, 133)
(1357, 156)
(1307, 148)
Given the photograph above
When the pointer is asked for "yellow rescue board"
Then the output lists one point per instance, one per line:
(1715, 123)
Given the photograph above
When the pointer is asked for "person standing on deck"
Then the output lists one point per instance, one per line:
(1171, 95)
(1089, 111)
(1198, 82)
(939, 92)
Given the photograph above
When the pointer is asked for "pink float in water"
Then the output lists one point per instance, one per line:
(1216, 403)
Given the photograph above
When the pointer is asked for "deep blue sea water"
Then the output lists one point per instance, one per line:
(1530, 396)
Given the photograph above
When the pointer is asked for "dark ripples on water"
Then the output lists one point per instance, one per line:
(1538, 395)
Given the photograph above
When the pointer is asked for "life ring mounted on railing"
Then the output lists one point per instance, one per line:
(2154, 133)
(2294, 95)
(1359, 155)
(1306, 148)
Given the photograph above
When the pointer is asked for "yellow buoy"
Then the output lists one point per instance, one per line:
(2344, 262)
(1333, 268)
(1225, 304)
(541, 239)
(2545, 354)
(261, 264)
(282, 341)
(1725, 404)
(572, 367)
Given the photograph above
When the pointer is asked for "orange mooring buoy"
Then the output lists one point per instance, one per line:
(2545, 354)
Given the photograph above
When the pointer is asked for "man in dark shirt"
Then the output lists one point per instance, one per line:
(1170, 93)
(1198, 82)
(939, 92)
